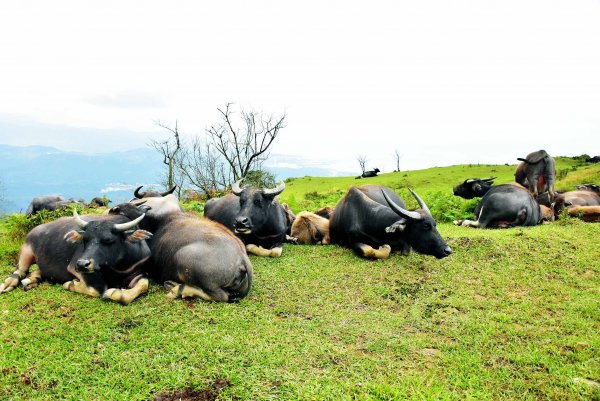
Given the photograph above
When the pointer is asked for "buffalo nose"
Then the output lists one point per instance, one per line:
(447, 251)
(82, 264)
(242, 222)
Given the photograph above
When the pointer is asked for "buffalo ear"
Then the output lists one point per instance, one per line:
(74, 237)
(138, 235)
(399, 226)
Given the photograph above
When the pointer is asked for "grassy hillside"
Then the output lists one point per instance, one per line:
(511, 315)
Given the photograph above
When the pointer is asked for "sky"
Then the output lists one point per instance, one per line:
(441, 82)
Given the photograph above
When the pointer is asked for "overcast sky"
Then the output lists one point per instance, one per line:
(443, 82)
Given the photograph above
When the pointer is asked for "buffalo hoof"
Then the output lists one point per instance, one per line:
(9, 284)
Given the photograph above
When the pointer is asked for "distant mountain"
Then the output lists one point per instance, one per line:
(26, 172)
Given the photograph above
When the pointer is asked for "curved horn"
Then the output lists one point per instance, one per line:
(470, 180)
(129, 225)
(170, 191)
(420, 201)
(78, 220)
(401, 211)
(275, 191)
(235, 188)
(137, 194)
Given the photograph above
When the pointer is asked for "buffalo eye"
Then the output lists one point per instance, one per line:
(427, 226)
(257, 203)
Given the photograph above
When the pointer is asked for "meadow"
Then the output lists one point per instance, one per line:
(512, 314)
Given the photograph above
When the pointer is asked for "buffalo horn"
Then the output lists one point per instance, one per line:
(420, 201)
(129, 225)
(235, 188)
(489, 180)
(137, 193)
(78, 220)
(170, 191)
(275, 191)
(401, 211)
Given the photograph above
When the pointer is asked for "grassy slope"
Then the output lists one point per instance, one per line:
(512, 314)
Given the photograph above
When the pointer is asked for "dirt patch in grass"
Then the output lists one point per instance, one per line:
(207, 394)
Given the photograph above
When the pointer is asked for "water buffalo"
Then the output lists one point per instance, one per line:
(369, 173)
(589, 187)
(99, 201)
(473, 187)
(373, 221)
(537, 172)
(309, 228)
(567, 200)
(49, 202)
(191, 256)
(508, 205)
(254, 215)
(594, 159)
(326, 212)
(96, 255)
(151, 193)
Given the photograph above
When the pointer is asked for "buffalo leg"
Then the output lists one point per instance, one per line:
(26, 259)
(369, 252)
(470, 223)
(81, 288)
(176, 290)
(126, 296)
(33, 280)
(274, 252)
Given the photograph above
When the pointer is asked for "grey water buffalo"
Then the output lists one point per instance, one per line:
(191, 256)
(567, 200)
(473, 187)
(537, 172)
(373, 220)
(508, 205)
(151, 193)
(254, 215)
(589, 187)
(49, 202)
(309, 228)
(368, 173)
(96, 255)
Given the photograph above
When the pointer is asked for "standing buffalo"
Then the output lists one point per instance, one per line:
(310, 228)
(369, 173)
(49, 202)
(97, 255)
(151, 193)
(537, 172)
(373, 221)
(192, 256)
(473, 187)
(508, 205)
(255, 216)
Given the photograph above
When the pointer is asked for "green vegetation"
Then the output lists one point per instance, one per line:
(511, 315)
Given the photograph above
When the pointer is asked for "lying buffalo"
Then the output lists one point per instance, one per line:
(255, 216)
(191, 256)
(508, 205)
(373, 221)
(309, 228)
(51, 203)
(96, 255)
(473, 187)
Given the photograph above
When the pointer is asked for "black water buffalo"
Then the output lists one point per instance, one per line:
(96, 255)
(255, 216)
(473, 187)
(369, 173)
(594, 159)
(373, 221)
(309, 228)
(508, 205)
(191, 256)
(99, 201)
(151, 193)
(537, 172)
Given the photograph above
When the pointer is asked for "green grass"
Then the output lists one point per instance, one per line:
(510, 315)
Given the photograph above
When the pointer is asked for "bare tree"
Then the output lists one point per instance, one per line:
(169, 148)
(244, 148)
(204, 168)
(362, 161)
(397, 156)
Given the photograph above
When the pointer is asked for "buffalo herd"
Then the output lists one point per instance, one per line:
(113, 255)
